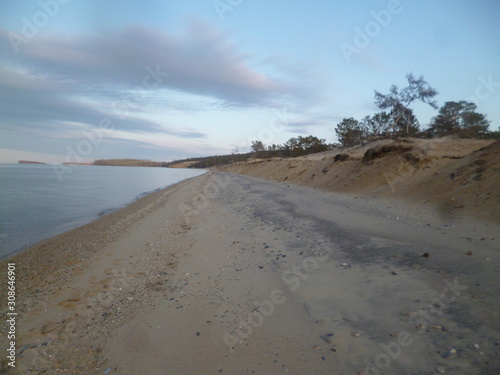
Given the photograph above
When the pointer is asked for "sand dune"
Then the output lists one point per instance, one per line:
(459, 176)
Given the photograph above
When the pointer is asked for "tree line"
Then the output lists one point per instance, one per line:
(298, 146)
(293, 147)
(397, 118)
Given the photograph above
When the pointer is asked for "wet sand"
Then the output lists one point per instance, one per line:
(236, 275)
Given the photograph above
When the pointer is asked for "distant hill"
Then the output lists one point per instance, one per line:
(77, 163)
(129, 163)
(184, 164)
(209, 161)
(30, 162)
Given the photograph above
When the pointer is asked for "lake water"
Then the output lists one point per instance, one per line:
(35, 204)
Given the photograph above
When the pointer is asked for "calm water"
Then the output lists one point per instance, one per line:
(35, 205)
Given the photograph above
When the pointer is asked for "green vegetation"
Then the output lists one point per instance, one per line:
(455, 118)
(461, 119)
(350, 132)
(293, 147)
(396, 119)
(398, 101)
(211, 161)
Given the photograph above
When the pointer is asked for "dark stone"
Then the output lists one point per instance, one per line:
(341, 157)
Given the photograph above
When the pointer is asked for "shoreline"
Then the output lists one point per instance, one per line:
(98, 216)
(47, 209)
(184, 267)
(83, 242)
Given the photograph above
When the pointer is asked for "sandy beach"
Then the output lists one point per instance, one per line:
(230, 274)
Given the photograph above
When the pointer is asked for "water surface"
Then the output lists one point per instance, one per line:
(35, 204)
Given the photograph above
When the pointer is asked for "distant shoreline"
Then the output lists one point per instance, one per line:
(29, 162)
(112, 163)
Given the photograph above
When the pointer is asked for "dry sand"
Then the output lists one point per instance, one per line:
(236, 275)
(459, 176)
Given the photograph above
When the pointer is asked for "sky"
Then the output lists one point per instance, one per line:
(165, 80)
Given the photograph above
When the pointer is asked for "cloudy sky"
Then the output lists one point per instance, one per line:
(163, 80)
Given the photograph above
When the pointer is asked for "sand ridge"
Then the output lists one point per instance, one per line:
(459, 176)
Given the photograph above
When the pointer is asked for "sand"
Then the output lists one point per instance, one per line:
(459, 176)
(236, 275)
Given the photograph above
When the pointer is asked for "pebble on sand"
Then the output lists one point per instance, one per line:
(450, 353)
(327, 338)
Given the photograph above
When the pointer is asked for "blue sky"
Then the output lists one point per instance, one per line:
(163, 80)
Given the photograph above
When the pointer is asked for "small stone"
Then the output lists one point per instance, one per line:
(356, 334)
(420, 326)
(450, 353)
(327, 338)
(426, 255)
(346, 266)
(476, 346)
(440, 369)
(468, 253)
